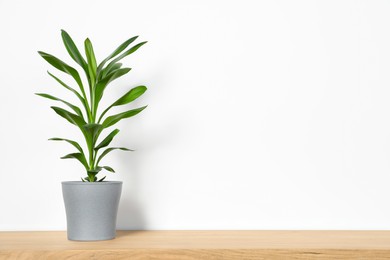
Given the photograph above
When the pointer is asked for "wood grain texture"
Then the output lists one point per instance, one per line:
(189, 245)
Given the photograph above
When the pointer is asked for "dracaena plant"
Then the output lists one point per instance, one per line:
(86, 118)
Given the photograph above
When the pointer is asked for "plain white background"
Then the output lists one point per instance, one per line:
(262, 114)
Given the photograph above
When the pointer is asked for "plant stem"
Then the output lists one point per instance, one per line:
(91, 120)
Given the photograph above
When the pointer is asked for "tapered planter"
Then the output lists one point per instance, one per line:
(91, 209)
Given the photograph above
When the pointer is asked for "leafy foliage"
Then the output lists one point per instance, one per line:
(98, 76)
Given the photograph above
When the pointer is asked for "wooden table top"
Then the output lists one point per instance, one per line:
(200, 245)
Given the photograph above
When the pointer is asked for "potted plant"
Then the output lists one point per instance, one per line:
(92, 203)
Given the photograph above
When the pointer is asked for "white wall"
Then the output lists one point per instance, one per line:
(262, 114)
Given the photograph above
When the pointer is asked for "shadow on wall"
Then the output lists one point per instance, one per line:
(130, 213)
(131, 209)
(154, 137)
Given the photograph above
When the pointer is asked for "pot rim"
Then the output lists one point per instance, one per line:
(90, 183)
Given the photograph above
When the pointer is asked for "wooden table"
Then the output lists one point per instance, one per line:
(188, 245)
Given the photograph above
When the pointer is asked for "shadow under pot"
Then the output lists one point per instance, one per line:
(91, 209)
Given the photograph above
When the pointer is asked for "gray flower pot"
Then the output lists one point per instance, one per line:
(91, 209)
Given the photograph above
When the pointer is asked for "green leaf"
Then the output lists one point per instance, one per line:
(126, 53)
(116, 52)
(117, 74)
(108, 150)
(111, 120)
(74, 143)
(101, 85)
(62, 66)
(72, 50)
(130, 96)
(78, 156)
(110, 69)
(82, 179)
(94, 171)
(108, 168)
(75, 109)
(102, 179)
(91, 133)
(72, 118)
(91, 60)
(82, 99)
(67, 87)
(106, 141)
